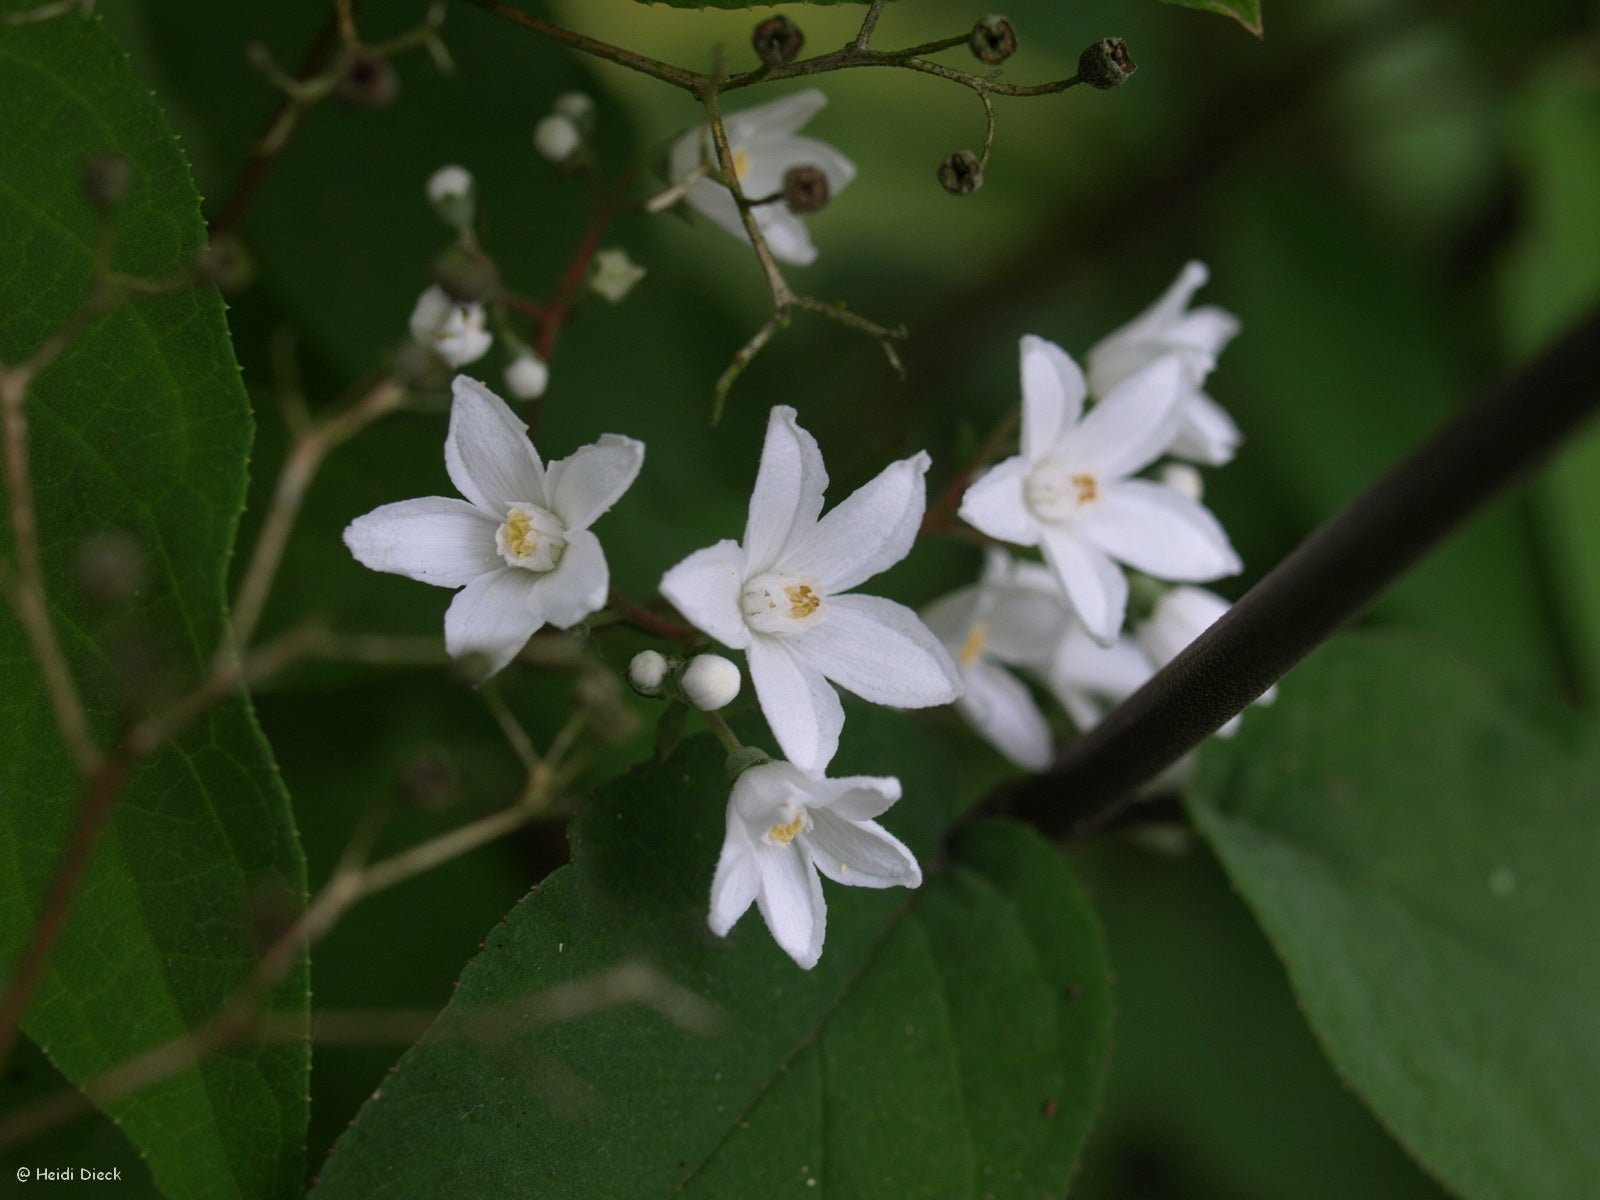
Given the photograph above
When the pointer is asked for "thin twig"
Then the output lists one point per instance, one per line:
(869, 23)
(689, 81)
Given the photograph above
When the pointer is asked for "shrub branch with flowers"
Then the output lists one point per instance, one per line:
(228, 775)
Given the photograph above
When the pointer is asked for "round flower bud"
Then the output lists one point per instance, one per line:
(647, 673)
(452, 193)
(557, 138)
(961, 174)
(805, 189)
(1183, 479)
(709, 682)
(577, 107)
(105, 180)
(1106, 64)
(993, 40)
(777, 41)
(368, 82)
(527, 377)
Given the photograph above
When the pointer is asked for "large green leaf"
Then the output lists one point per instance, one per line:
(139, 431)
(1421, 853)
(1246, 12)
(951, 1042)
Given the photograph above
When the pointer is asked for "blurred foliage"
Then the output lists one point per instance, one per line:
(1399, 198)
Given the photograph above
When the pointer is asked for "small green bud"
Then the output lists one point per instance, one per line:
(742, 759)
(1106, 64)
(993, 40)
(777, 41)
(805, 189)
(961, 174)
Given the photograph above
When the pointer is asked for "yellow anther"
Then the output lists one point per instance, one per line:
(784, 834)
(741, 164)
(1088, 488)
(802, 600)
(974, 647)
(521, 540)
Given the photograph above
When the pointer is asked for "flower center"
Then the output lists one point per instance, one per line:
(974, 647)
(782, 835)
(782, 604)
(741, 164)
(1054, 491)
(531, 537)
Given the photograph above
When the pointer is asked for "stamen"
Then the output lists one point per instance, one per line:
(802, 600)
(782, 835)
(1088, 488)
(974, 647)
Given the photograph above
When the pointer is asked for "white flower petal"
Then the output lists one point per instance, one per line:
(592, 478)
(791, 903)
(1206, 433)
(952, 616)
(771, 161)
(774, 120)
(800, 706)
(736, 881)
(487, 451)
(880, 651)
(1134, 423)
(1154, 321)
(859, 853)
(1001, 708)
(1094, 584)
(855, 797)
(1155, 530)
(493, 616)
(994, 504)
(788, 492)
(714, 202)
(705, 588)
(1114, 672)
(865, 534)
(786, 234)
(436, 540)
(1179, 617)
(1205, 331)
(579, 584)
(1053, 390)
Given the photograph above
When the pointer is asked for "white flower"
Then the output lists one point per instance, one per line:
(577, 107)
(557, 137)
(527, 376)
(1179, 617)
(448, 184)
(781, 597)
(764, 146)
(710, 682)
(1015, 615)
(519, 545)
(647, 672)
(1205, 433)
(1088, 679)
(785, 825)
(1069, 491)
(452, 330)
(615, 274)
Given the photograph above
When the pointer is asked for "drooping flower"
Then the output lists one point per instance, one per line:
(452, 329)
(1010, 618)
(1070, 491)
(519, 545)
(765, 146)
(1205, 433)
(784, 826)
(785, 595)
(1180, 616)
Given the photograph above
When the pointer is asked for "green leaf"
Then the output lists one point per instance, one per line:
(1246, 12)
(140, 434)
(1421, 854)
(951, 1042)
(737, 4)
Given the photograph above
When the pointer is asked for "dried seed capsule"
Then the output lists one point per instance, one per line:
(805, 189)
(1106, 63)
(777, 41)
(993, 40)
(961, 174)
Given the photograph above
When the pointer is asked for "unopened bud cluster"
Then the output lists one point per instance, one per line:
(706, 681)
(777, 41)
(564, 131)
(993, 40)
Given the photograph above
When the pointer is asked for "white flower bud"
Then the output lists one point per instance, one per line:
(709, 682)
(1183, 479)
(557, 137)
(647, 673)
(577, 107)
(527, 377)
(453, 194)
(615, 274)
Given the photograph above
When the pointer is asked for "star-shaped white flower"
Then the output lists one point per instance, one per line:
(1205, 433)
(1179, 617)
(784, 826)
(1070, 491)
(519, 545)
(784, 595)
(765, 146)
(1011, 617)
(453, 330)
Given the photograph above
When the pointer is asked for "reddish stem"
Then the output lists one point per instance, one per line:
(557, 312)
(640, 617)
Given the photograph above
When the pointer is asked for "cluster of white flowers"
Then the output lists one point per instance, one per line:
(1076, 492)
(520, 550)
